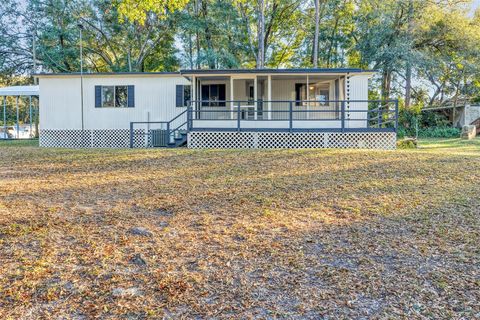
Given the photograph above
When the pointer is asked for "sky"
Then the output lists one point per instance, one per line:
(475, 5)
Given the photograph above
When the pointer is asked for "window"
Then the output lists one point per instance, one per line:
(108, 94)
(114, 96)
(183, 95)
(316, 92)
(121, 97)
(213, 92)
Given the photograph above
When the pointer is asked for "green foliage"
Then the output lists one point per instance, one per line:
(438, 41)
(407, 144)
(139, 10)
(429, 125)
(439, 132)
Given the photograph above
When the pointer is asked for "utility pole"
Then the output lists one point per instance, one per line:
(261, 34)
(34, 53)
(315, 39)
(408, 74)
(80, 28)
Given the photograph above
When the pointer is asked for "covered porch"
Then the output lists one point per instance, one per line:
(278, 100)
(254, 96)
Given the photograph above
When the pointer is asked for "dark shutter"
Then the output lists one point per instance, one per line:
(179, 95)
(131, 97)
(98, 96)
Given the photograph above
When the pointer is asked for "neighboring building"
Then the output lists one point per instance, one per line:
(265, 108)
(468, 114)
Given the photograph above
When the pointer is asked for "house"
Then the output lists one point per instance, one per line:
(260, 108)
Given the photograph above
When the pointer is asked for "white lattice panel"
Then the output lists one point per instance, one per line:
(65, 138)
(291, 140)
(108, 138)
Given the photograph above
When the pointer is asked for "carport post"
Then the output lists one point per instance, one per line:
(4, 116)
(30, 110)
(18, 116)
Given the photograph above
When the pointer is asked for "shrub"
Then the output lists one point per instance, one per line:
(430, 125)
(407, 143)
(439, 132)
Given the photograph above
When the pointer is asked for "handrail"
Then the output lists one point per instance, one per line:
(168, 124)
(285, 101)
(177, 116)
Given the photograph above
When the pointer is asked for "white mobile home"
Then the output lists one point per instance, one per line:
(264, 108)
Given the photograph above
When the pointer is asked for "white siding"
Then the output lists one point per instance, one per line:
(60, 106)
(155, 95)
(358, 91)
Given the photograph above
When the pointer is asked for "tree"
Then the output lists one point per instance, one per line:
(139, 10)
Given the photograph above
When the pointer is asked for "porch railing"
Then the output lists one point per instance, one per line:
(158, 133)
(298, 115)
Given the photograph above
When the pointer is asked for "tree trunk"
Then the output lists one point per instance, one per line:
(261, 34)
(408, 71)
(315, 39)
(190, 50)
(386, 83)
(208, 37)
(408, 85)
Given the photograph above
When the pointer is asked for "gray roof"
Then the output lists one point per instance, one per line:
(218, 71)
(267, 71)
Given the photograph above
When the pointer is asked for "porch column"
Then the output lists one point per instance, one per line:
(194, 97)
(269, 97)
(308, 97)
(231, 98)
(255, 96)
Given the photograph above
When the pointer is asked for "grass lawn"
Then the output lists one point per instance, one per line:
(299, 234)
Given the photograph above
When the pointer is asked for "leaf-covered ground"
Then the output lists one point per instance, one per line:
(305, 234)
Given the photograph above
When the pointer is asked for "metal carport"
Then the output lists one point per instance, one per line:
(17, 92)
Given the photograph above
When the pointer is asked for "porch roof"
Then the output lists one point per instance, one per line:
(275, 71)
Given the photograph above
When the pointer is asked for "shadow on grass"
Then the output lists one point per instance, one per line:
(305, 234)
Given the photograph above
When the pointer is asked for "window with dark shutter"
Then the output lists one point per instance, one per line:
(114, 96)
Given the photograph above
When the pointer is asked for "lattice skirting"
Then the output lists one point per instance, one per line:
(108, 138)
(291, 140)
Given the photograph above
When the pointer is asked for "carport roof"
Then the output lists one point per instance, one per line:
(20, 91)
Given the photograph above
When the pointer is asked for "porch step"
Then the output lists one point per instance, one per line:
(178, 141)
